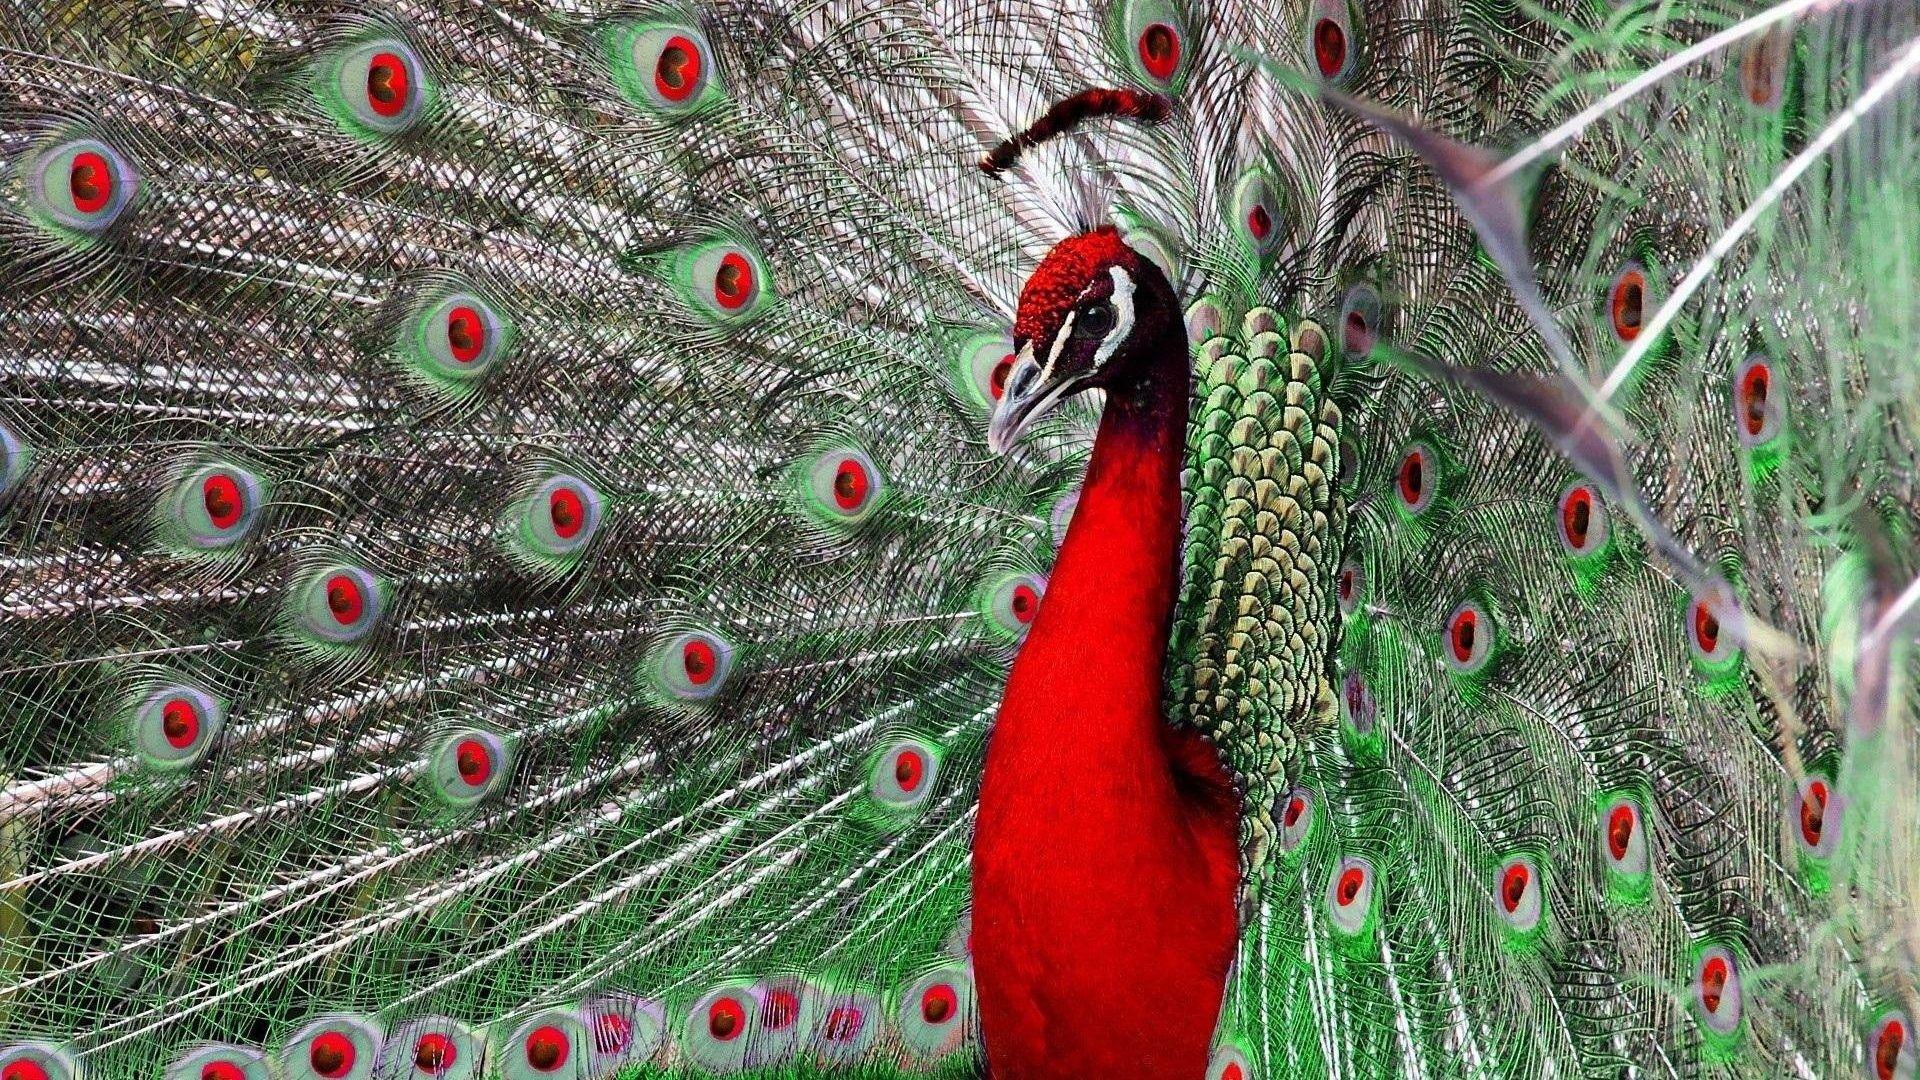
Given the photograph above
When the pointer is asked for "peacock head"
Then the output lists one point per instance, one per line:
(1094, 314)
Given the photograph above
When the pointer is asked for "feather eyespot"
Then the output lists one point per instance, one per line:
(1160, 50)
(1416, 481)
(903, 775)
(844, 485)
(557, 521)
(470, 766)
(724, 280)
(176, 726)
(1229, 1062)
(1716, 989)
(1520, 899)
(1350, 893)
(620, 1029)
(1583, 520)
(1470, 637)
(219, 1061)
(667, 68)
(546, 1044)
(378, 87)
(1764, 67)
(983, 363)
(1012, 604)
(1817, 812)
(1627, 302)
(845, 1030)
(435, 1054)
(1357, 705)
(1350, 587)
(81, 185)
(1334, 39)
(547, 1049)
(934, 1011)
(213, 508)
(1258, 212)
(1890, 1048)
(611, 1033)
(337, 1047)
(37, 1061)
(341, 604)
(454, 339)
(1360, 315)
(694, 666)
(1757, 402)
(1713, 617)
(1295, 816)
(1150, 37)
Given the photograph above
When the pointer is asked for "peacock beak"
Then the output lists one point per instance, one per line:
(1029, 396)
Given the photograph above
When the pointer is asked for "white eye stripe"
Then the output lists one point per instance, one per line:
(1059, 343)
(1123, 317)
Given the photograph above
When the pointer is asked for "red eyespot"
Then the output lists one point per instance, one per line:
(1329, 48)
(1513, 886)
(850, 484)
(1351, 879)
(221, 1070)
(1295, 807)
(1415, 480)
(844, 1024)
(676, 74)
(1753, 398)
(331, 1054)
(567, 512)
(1763, 68)
(698, 659)
(474, 762)
(780, 1010)
(1713, 982)
(223, 500)
(997, 382)
(1626, 302)
(733, 282)
(938, 1004)
(1025, 603)
(726, 1020)
(180, 722)
(1887, 1044)
(434, 1053)
(1462, 634)
(387, 84)
(908, 770)
(1160, 50)
(1620, 824)
(90, 182)
(547, 1048)
(1706, 627)
(1259, 222)
(24, 1070)
(345, 602)
(611, 1033)
(1576, 517)
(466, 333)
(1813, 812)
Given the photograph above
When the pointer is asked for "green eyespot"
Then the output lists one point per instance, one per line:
(340, 605)
(667, 68)
(724, 281)
(934, 1011)
(175, 726)
(80, 186)
(1259, 212)
(340, 1046)
(842, 486)
(470, 765)
(1011, 603)
(454, 339)
(557, 521)
(904, 774)
(692, 666)
(375, 87)
(550, 1044)
(1154, 40)
(213, 509)
(981, 367)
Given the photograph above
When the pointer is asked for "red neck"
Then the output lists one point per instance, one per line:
(1105, 859)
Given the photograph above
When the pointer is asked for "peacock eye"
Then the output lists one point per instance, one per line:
(843, 486)
(934, 1011)
(1815, 813)
(903, 775)
(1517, 893)
(846, 1029)
(621, 1029)
(1764, 67)
(341, 604)
(176, 726)
(1890, 1048)
(546, 1044)
(454, 339)
(1011, 603)
(1229, 1062)
(1360, 314)
(1582, 519)
(725, 281)
(1335, 39)
(1357, 705)
(37, 1061)
(1351, 587)
(219, 1061)
(1716, 990)
(1469, 637)
(665, 67)
(82, 185)
(470, 765)
(376, 87)
(1350, 894)
(1758, 404)
(1096, 320)
(1630, 301)
(983, 363)
(339, 1047)
(430, 1048)
(1294, 815)
(1150, 36)
(1713, 616)
(1258, 212)
(215, 507)
(693, 666)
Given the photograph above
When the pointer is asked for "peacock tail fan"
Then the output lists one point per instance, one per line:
(501, 572)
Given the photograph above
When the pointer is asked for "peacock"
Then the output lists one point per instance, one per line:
(1104, 538)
